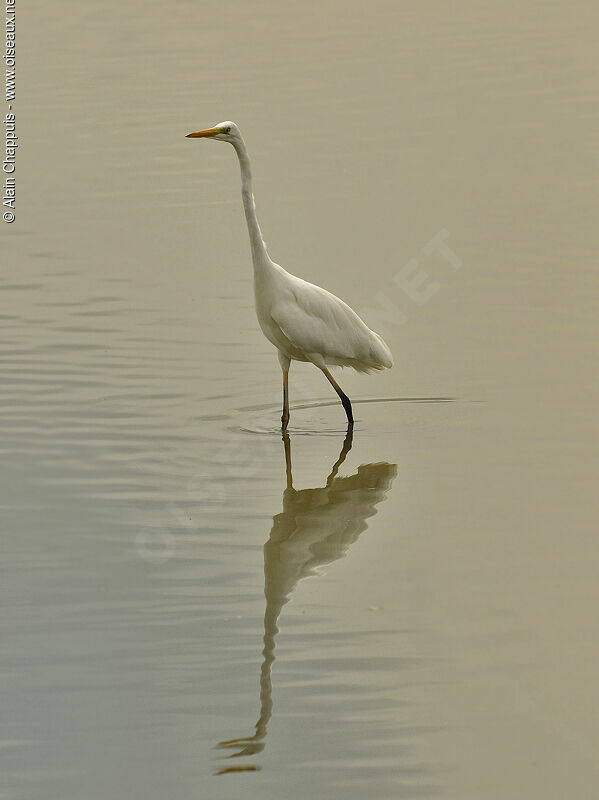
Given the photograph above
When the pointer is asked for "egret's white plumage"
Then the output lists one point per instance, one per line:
(303, 321)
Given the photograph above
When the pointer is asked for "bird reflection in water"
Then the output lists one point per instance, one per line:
(315, 528)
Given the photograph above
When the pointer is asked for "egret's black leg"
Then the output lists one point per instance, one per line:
(287, 446)
(342, 396)
(285, 415)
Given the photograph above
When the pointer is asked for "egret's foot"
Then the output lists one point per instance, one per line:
(245, 746)
(232, 743)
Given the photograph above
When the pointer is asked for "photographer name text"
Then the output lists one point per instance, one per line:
(9, 160)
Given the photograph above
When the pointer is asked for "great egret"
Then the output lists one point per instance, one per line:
(303, 321)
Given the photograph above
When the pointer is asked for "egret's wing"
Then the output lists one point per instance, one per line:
(312, 321)
(317, 323)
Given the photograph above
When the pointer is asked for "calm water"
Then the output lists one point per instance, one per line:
(193, 607)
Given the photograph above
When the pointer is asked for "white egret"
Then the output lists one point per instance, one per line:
(303, 321)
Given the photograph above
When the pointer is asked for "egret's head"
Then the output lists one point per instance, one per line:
(224, 132)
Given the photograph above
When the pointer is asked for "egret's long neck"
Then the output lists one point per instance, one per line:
(259, 253)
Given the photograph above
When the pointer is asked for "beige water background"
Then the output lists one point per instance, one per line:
(440, 638)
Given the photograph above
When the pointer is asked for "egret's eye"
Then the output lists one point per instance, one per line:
(227, 129)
